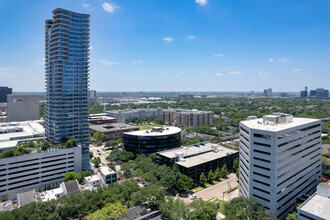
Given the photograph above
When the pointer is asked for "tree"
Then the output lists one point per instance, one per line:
(91, 155)
(235, 165)
(184, 183)
(111, 143)
(202, 179)
(45, 145)
(210, 177)
(98, 137)
(119, 155)
(244, 208)
(217, 174)
(72, 142)
(71, 176)
(110, 211)
(97, 161)
(205, 213)
(224, 172)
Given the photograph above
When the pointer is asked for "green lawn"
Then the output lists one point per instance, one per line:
(145, 127)
(221, 204)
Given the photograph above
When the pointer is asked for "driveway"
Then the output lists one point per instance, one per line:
(216, 191)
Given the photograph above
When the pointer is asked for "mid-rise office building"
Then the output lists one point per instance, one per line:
(67, 75)
(4, 91)
(153, 140)
(23, 107)
(319, 93)
(92, 95)
(125, 115)
(280, 160)
(199, 158)
(37, 170)
(185, 117)
(112, 131)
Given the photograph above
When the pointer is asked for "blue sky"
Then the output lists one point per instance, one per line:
(178, 45)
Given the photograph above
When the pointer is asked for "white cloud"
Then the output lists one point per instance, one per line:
(218, 55)
(163, 74)
(218, 74)
(205, 72)
(136, 61)
(168, 39)
(108, 7)
(91, 48)
(108, 63)
(297, 70)
(201, 2)
(40, 62)
(85, 5)
(191, 37)
(180, 73)
(235, 72)
(284, 59)
(264, 73)
(227, 68)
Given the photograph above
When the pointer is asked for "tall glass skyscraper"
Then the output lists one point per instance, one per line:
(67, 75)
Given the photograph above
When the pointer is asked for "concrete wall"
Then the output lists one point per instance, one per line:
(22, 107)
(36, 170)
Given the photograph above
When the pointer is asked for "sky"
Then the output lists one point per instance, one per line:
(177, 45)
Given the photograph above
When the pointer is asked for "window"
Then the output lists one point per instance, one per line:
(264, 136)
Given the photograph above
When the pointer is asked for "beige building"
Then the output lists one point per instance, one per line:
(112, 131)
(187, 118)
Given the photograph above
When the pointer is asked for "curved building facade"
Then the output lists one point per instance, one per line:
(152, 141)
(67, 73)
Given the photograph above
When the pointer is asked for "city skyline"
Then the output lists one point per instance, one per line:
(178, 45)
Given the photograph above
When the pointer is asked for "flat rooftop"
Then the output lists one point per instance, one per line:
(92, 178)
(12, 132)
(317, 205)
(258, 124)
(156, 131)
(197, 154)
(112, 127)
(106, 170)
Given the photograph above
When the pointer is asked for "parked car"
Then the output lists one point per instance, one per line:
(193, 197)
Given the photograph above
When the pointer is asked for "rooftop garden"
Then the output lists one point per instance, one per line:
(37, 147)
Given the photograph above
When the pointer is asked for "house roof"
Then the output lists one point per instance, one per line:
(72, 186)
(135, 212)
(26, 198)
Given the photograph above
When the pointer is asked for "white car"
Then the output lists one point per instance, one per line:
(193, 197)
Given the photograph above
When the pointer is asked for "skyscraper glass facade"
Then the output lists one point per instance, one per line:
(67, 75)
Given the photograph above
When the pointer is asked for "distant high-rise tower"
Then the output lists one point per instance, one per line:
(67, 72)
(4, 91)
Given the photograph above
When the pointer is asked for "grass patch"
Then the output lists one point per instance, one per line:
(231, 190)
(221, 204)
(146, 127)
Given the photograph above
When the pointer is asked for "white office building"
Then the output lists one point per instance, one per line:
(280, 159)
(36, 170)
(316, 207)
